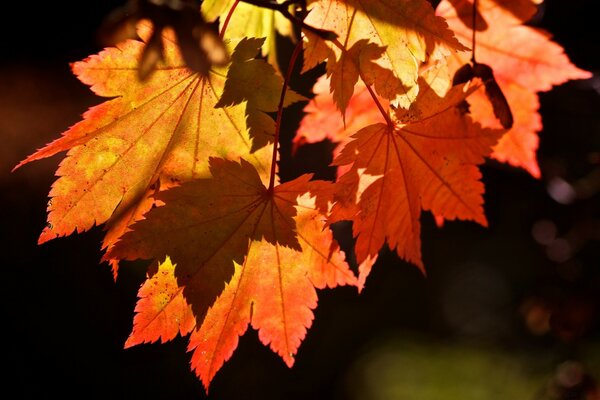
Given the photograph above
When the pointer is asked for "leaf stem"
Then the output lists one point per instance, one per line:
(282, 8)
(227, 18)
(386, 116)
(286, 81)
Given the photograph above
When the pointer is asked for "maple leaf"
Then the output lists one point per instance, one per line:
(525, 61)
(274, 291)
(401, 37)
(162, 311)
(426, 160)
(250, 21)
(150, 136)
(275, 239)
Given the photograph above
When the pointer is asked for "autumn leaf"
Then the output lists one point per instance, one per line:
(274, 292)
(275, 239)
(161, 311)
(404, 35)
(250, 21)
(524, 60)
(150, 136)
(426, 160)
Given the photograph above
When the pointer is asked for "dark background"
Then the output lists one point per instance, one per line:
(65, 320)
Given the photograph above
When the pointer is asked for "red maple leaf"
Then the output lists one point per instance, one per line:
(277, 241)
(425, 160)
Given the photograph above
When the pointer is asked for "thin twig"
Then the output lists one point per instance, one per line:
(288, 76)
(228, 18)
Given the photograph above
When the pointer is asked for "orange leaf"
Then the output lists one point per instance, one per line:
(427, 160)
(151, 136)
(525, 61)
(405, 34)
(162, 311)
(275, 238)
(273, 290)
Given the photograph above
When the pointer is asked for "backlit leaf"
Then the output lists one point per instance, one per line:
(161, 311)
(426, 161)
(407, 32)
(277, 241)
(274, 292)
(151, 136)
(525, 61)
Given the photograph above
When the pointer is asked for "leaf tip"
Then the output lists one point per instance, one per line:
(421, 268)
(206, 385)
(130, 342)
(25, 161)
(482, 220)
(289, 359)
(19, 165)
(114, 266)
(534, 170)
(47, 235)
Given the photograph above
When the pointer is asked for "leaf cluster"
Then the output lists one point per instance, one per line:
(181, 168)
